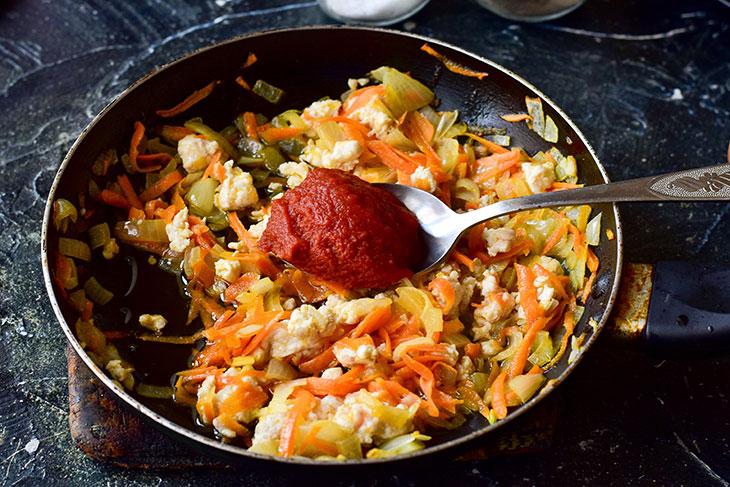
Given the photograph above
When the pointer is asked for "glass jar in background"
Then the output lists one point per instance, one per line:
(531, 10)
(371, 12)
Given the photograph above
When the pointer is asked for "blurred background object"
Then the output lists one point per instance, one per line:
(531, 10)
(371, 12)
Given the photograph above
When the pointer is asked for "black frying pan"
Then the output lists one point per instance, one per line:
(308, 64)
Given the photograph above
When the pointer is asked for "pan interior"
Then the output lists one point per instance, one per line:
(308, 72)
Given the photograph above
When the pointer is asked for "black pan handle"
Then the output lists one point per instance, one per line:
(689, 311)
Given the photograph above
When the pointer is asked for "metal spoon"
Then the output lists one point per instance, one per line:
(442, 227)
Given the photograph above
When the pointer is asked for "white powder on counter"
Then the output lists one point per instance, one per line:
(370, 10)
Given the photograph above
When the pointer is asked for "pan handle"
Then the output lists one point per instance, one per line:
(689, 311)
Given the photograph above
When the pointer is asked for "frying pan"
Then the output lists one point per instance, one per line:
(315, 62)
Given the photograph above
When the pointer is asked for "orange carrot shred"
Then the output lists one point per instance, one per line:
(243, 83)
(137, 137)
(462, 259)
(287, 437)
(499, 403)
(515, 117)
(188, 102)
(160, 186)
(554, 238)
(361, 97)
(241, 231)
(276, 134)
(495, 148)
(115, 199)
(249, 120)
(250, 60)
(472, 350)
(451, 65)
(388, 156)
(445, 290)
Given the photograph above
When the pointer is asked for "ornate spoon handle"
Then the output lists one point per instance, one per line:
(710, 183)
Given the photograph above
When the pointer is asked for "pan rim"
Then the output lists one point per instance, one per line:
(230, 450)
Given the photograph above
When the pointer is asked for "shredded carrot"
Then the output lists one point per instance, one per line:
(554, 238)
(515, 117)
(609, 234)
(516, 250)
(528, 293)
(160, 186)
(115, 199)
(346, 123)
(250, 60)
(499, 403)
(495, 164)
(332, 286)
(276, 134)
(587, 287)
(426, 382)
(188, 102)
(491, 146)
(463, 259)
(519, 360)
(318, 363)
(472, 350)
(388, 156)
(161, 158)
(444, 289)
(249, 120)
(214, 167)
(322, 445)
(265, 331)
(203, 273)
(136, 214)
(373, 321)
(151, 207)
(451, 65)
(239, 285)
(420, 130)
(241, 231)
(416, 126)
(137, 137)
(243, 83)
(558, 185)
(591, 261)
(302, 401)
(341, 386)
(361, 97)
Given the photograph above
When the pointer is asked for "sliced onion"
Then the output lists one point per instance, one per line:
(70, 247)
(97, 292)
(280, 370)
(410, 343)
(63, 211)
(515, 338)
(99, 235)
(525, 386)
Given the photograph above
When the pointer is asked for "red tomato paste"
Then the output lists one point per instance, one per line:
(344, 230)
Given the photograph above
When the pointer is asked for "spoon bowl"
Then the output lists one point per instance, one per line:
(441, 227)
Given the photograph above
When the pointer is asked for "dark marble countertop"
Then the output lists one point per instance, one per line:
(647, 81)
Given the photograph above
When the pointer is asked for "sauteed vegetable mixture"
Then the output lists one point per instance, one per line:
(288, 363)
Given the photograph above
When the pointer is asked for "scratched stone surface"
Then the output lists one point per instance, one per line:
(648, 82)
